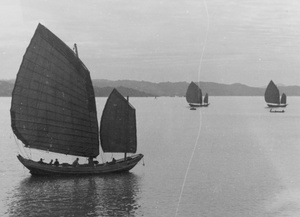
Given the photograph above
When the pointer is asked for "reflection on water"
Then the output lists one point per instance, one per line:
(114, 195)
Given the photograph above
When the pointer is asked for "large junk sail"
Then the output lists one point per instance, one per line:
(53, 103)
(272, 93)
(194, 94)
(283, 99)
(118, 125)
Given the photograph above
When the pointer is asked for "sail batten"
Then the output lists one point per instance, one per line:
(118, 125)
(53, 102)
(194, 94)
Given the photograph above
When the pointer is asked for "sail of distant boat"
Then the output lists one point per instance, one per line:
(272, 96)
(205, 100)
(53, 107)
(283, 99)
(272, 93)
(194, 94)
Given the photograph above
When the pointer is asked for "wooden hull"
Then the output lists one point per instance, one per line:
(42, 169)
(198, 105)
(277, 105)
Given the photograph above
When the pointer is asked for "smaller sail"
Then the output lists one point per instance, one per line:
(272, 93)
(283, 99)
(205, 99)
(118, 125)
(193, 94)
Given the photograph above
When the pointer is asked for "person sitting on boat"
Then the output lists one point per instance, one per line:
(41, 161)
(51, 162)
(75, 163)
(91, 161)
(113, 160)
(56, 163)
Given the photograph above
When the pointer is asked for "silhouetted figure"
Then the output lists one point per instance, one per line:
(56, 163)
(91, 161)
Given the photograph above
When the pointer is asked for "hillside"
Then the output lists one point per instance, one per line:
(179, 88)
(105, 91)
(148, 89)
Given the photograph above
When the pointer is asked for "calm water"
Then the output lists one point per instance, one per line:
(231, 159)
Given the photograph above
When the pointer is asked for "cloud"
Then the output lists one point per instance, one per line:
(153, 34)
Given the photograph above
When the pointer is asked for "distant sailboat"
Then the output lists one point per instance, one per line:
(194, 96)
(53, 109)
(272, 96)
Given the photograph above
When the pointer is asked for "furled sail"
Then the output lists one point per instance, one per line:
(193, 94)
(53, 103)
(118, 125)
(283, 99)
(205, 98)
(272, 93)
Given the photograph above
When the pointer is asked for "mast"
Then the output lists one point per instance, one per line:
(125, 153)
(76, 50)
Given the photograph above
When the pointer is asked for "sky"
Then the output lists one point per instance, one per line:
(232, 41)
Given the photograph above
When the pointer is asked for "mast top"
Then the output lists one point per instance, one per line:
(76, 50)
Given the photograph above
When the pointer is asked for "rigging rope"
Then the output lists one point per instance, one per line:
(200, 117)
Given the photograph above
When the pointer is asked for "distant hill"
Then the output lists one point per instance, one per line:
(149, 89)
(155, 89)
(105, 91)
(179, 88)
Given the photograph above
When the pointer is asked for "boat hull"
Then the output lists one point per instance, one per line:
(277, 111)
(43, 169)
(198, 105)
(277, 105)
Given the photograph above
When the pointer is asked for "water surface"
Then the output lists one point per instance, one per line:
(244, 161)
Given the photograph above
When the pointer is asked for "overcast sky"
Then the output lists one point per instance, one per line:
(225, 41)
